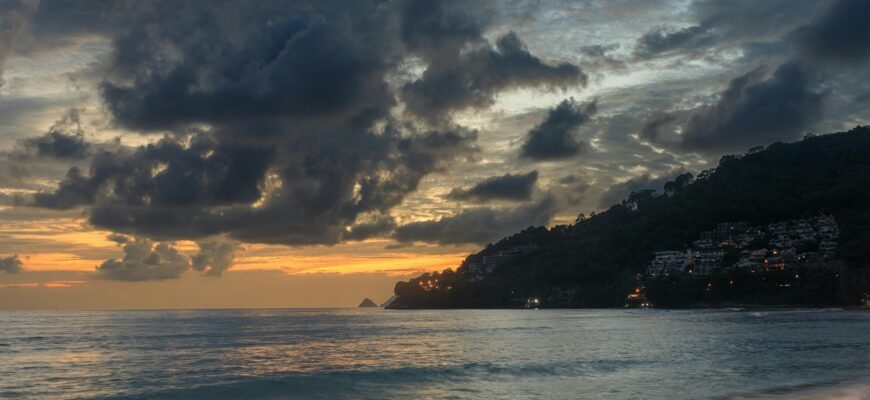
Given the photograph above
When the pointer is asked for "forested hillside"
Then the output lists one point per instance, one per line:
(596, 261)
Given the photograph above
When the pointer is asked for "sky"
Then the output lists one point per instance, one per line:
(199, 154)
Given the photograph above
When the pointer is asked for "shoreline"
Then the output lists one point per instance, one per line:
(699, 307)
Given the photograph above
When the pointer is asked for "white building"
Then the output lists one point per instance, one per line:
(669, 262)
(707, 261)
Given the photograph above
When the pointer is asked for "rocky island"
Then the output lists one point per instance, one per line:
(367, 303)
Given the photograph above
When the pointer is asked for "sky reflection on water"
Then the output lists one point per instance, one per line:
(277, 354)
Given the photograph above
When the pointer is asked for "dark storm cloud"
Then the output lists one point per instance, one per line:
(59, 145)
(555, 137)
(167, 174)
(28, 27)
(478, 225)
(721, 25)
(755, 108)
(280, 118)
(456, 79)
(36, 162)
(439, 28)
(215, 256)
(598, 57)
(570, 192)
(145, 261)
(841, 34)
(118, 238)
(59, 22)
(508, 187)
(662, 41)
(252, 74)
(14, 22)
(301, 195)
(568, 180)
(464, 70)
(10, 264)
(65, 139)
(655, 127)
(12, 174)
(758, 107)
(379, 227)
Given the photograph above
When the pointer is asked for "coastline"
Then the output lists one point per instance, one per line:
(732, 307)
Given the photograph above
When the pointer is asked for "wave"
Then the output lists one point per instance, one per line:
(446, 382)
(854, 390)
(374, 384)
(766, 312)
(857, 392)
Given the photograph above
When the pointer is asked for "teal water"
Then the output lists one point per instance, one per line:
(460, 354)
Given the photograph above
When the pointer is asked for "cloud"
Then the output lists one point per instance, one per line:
(433, 28)
(655, 127)
(215, 256)
(15, 23)
(598, 57)
(720, 26)
(380, 226)
(570, 190)
(616, 193)
(59, 145)
(756, 108)
(660, 40)
(508, 187)
(279, 120)
(12, 171)
(841, 34)
(166, 173)
(477, 225)
(457, 80)
(554, 138)
(569, 180)
(197, 188)
(64, 140)
(303, 123)
(17, 111)
(118, 238)
(145, 260)
(301, 71)
(462, 68)
(10, 264)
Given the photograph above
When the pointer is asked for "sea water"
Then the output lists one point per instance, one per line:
(459, 354)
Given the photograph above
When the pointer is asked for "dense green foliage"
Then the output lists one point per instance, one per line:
(597, 260)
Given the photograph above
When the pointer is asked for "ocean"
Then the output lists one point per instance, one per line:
(451, 354)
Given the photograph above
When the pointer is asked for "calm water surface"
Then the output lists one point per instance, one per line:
(462, 354)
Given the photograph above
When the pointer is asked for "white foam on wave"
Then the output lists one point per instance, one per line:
(849, 390)
(853, 392)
